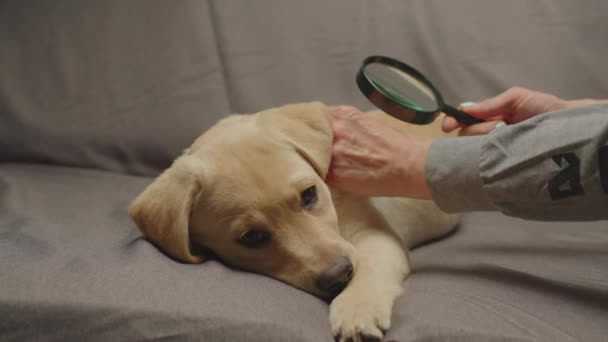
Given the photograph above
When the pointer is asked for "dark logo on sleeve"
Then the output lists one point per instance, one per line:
(567, 182)
(603, 162)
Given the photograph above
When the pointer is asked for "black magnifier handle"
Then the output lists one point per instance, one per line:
(460, 116)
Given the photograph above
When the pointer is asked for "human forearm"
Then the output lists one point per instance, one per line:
(547, 167)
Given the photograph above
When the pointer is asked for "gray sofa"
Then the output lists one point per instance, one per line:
(98, 97)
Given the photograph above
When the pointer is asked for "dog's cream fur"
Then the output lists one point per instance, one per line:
(248, 172)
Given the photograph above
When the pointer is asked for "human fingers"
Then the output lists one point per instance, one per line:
(343, 111)
(480, 129)
(503, 104)
(449, 124)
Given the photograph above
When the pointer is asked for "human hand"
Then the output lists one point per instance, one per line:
(370, 158)
(512, 106)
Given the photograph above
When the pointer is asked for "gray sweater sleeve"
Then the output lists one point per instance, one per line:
(551, 167)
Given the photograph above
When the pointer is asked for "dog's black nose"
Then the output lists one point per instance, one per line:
(333, 280)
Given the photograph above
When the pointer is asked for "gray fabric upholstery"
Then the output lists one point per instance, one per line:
(125, 86)
(99, 90)
(75, 268)
(122, 86)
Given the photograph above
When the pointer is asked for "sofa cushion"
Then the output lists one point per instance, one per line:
(73, 267)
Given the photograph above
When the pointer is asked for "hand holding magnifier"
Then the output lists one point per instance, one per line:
(403, 92)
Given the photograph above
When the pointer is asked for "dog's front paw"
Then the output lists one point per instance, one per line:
(359, 316)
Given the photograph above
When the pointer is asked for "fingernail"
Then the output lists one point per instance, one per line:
(467, 104)
(498, 126)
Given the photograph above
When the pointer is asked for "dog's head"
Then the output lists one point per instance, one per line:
(251, 190)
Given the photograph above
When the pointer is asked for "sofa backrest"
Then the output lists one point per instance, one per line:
(127, 85)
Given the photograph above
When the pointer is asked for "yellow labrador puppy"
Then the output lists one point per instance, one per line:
(251, 190)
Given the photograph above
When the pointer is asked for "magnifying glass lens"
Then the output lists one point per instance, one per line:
(403, 92)
(401, 87)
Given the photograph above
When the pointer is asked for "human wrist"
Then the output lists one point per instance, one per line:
(414, 173)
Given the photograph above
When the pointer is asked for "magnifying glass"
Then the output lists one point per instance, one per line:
(403, 92)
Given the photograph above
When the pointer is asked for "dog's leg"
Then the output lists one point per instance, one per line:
(363, 310)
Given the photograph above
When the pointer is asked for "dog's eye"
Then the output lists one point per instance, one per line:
(309, 197)
(254, 238)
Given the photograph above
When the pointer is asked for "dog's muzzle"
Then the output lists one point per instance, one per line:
(333, 280)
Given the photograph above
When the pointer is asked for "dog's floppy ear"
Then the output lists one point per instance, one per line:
(307, 127)
(162, 211)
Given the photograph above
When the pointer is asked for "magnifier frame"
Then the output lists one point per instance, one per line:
(402, 109)
(387, 103)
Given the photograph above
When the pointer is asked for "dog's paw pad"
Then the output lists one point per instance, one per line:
(353, 319)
